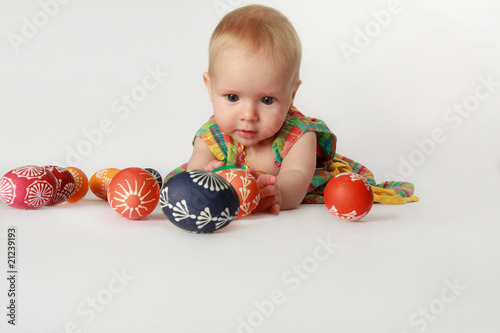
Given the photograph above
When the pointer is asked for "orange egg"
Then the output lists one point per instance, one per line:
(246, 187)
(81, 184)
(99, 182)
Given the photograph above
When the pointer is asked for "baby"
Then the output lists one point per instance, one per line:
(252, 80)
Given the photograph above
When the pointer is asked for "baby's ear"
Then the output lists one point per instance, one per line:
(208, 83)
(299, 82)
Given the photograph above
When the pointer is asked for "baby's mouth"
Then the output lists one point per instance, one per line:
(247, 134)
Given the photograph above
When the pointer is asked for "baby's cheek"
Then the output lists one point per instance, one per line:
(277, 122)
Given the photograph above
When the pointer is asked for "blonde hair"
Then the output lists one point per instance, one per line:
(258, 28)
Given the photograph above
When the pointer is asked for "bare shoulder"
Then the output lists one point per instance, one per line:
(202, 155)
(302, 155)
(297, 171)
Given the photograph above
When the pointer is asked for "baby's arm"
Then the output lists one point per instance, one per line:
(297, 171)
(288, 189)
(202, 157)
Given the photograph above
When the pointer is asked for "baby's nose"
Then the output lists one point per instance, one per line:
(250, 113)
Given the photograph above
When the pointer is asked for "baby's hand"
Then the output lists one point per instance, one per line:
(270, 195)
(213, 165)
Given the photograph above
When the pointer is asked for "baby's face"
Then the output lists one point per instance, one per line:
(250, 95)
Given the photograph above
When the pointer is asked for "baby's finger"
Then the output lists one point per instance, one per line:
(266, 204)
(252, 172)
(213, 165)
(269, 191)
(264, 180)
(275, 209)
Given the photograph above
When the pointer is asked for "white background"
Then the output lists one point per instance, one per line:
(69, 74)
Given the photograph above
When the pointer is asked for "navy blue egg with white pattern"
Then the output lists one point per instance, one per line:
(199, 201)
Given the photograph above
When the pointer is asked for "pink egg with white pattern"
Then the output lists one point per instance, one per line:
(28, 187)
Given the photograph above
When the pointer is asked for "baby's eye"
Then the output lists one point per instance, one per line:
(268, 100)
(232, 97)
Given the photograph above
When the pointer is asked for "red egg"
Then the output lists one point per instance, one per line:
(65, 184)
(28, 187)
(348, 196)
(246, 186)
(133, 193)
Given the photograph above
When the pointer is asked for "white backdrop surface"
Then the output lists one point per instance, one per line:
(410, 88)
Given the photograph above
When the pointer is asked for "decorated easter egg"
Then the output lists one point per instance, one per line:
(348, 196)
(28, 187)
(99, 182)
(81, 184)
(65, 184)
(199, 201)
(133, 193)
(157, 175)
(246, 186)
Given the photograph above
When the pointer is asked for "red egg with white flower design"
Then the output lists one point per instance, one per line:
(348, 196)
(246, 186)
(133, 193)
(65, 184)
(28, 187)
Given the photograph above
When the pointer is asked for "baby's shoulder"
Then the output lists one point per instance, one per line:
(296, 119)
